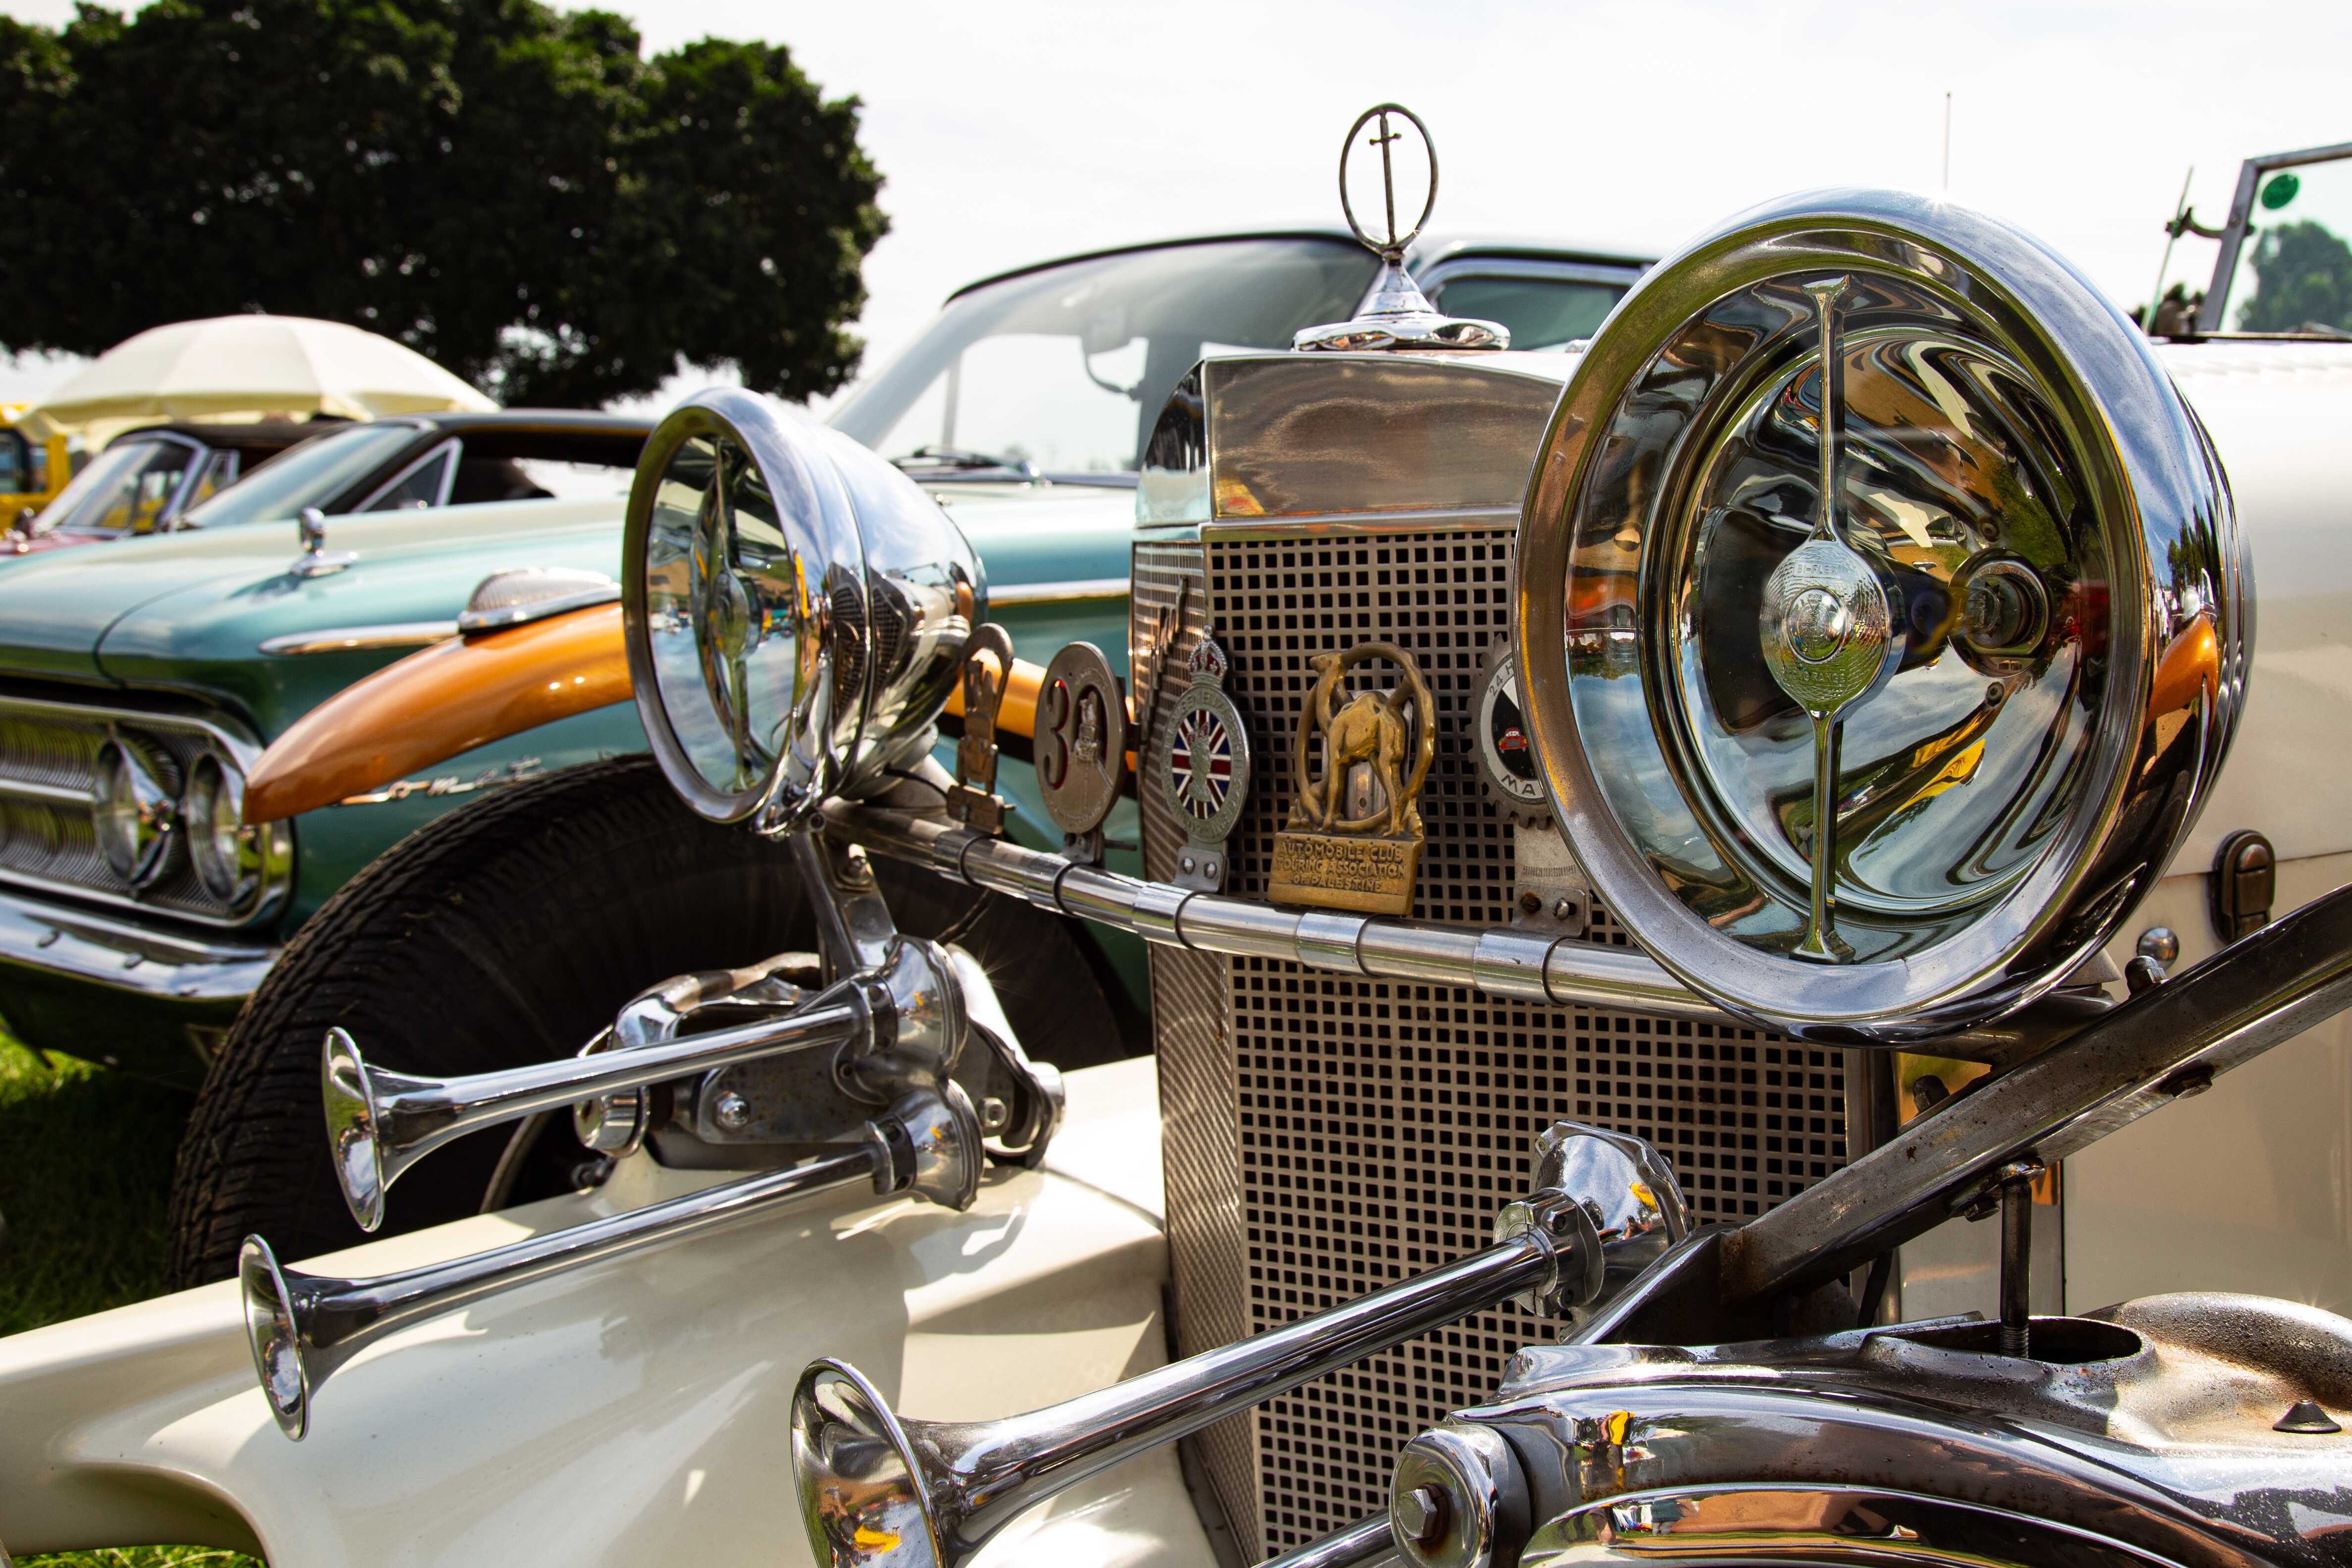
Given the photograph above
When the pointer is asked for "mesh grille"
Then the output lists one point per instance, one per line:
(49, 752)
(1377, 1125)
(1197, 1087)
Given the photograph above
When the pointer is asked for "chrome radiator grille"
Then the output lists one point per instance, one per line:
(48, 770)
(1328, 1135)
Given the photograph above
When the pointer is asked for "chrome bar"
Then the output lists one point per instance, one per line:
(1508, 962)
(2170, 1040)
(379, 1122)
(303, 1326)
(1522, 965)
(936, 1492)
(1366, 1541)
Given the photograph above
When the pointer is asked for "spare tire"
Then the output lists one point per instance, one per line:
(510, 931)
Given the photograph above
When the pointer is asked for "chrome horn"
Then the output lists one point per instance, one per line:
(879, 1492)
(304, 1326)
(379, 1122)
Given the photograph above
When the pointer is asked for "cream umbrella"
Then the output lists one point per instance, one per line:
(247, 367)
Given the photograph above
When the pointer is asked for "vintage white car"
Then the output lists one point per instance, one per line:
(1645, 850)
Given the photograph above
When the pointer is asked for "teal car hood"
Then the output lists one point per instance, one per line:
(204, 635)
(189, 611)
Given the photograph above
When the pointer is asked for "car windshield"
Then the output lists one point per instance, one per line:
(310, 474)
(1065, 369)
(2294, 266)
(123, 491)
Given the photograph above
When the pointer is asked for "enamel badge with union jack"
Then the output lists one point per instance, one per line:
(1206, 776)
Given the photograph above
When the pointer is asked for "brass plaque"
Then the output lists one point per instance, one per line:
(1354, 835)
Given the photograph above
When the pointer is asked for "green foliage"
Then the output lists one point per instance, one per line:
(85, 1166)
(2302, 278)
(145, 1557)
(514, 191)
(85, 1173)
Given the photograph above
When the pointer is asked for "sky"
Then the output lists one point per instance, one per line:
(1019, 130)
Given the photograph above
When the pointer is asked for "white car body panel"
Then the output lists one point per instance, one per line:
(633, 1413)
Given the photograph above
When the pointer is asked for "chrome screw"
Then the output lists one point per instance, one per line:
(2161, 943)
(1564, 909)
(1187, 864)
(731, 1111)
(993, 1115)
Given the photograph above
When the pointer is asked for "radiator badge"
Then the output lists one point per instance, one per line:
(1505, 758)
(1353, 838)
(1081, 746)
(1207, 774)
(973, 799)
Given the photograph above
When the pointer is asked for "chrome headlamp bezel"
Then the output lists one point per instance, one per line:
(134, 809)
(1632, 424)
(860, 582)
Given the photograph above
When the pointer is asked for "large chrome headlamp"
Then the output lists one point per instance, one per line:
(797, 608)
(1880, 756)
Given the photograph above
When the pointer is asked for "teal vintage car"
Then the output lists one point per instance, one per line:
(128, 682)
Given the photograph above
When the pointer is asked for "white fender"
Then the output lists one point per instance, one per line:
(633, 1413)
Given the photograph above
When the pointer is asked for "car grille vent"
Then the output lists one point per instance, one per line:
(48, 771)
(1369, 1129)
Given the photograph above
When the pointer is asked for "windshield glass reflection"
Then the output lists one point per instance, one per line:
(1065, 369)
(2294, 268)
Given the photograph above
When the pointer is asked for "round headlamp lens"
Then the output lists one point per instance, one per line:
(134, 812)
(730, 612)
(226, 852)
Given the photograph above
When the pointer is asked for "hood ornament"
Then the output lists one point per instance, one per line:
(1397, 315)
(317, 560)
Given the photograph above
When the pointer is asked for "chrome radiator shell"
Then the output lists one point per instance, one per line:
(1325, 1135)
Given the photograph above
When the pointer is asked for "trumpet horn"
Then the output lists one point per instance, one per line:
(302, 1326)
(903, 1018)
(379, 1122)
(881, 1491)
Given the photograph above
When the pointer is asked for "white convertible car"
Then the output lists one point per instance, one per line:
(1746, 967)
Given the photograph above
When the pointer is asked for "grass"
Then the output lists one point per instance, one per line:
(85, 1176)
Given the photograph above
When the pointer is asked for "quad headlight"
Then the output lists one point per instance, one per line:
(135, 810)
(797, 608)
(228, 853)
(1884, 754)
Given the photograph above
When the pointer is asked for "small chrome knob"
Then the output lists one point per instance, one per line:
(733, 1111)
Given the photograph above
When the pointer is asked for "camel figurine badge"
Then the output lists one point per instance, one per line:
(1354, 835)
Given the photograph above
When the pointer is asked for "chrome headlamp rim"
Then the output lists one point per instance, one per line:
(131, 768)
(2157, 487)
(821, 533)
(217, 790)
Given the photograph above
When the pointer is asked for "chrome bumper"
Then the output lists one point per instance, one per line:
(99, 949)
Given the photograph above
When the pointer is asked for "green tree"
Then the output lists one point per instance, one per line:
(2302, 276)
(514, 191)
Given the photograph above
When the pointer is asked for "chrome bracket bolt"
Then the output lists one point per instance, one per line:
(1420, 1514)
(731, 1111)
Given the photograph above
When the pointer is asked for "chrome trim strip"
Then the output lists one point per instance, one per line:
(46, 793)
(342, 639)
(1077, 590)
(124, 957)
(1506, 961)
(474, 622)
